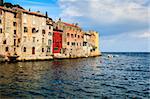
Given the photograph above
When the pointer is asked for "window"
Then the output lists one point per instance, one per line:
(33, 30)
(0, 21)
(75, 35)
(33, 39)
(73, 43)
(72, 35)
(14, 31)
(1, 31)
(33, 50)
(19, 40)
(14, 42)
(48, 49)
(14, 24)
(42, 49)
(7, 49)
(56, 48)
(49, 42)
(42, 40)
(43, 31)
(4, 42)
(49, 27)
(78, 36)
(84, 43)
(49, 33)
(68, 43)
(24, 49)
(68, 34)
(26, 29)
(15, 15)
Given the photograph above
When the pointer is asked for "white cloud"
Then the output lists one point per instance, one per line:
(131, 41)
(143, 35)
(106, 11)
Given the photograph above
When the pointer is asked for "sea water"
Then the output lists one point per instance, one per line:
(122, 76)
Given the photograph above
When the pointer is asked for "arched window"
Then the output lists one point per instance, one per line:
(42, 49)
(33, 30)
(24, 49)
(33, 50)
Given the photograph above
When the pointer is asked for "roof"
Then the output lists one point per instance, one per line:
(7, 9)
(24, 11)
(72, 25)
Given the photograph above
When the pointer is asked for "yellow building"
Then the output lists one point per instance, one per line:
(94, 43)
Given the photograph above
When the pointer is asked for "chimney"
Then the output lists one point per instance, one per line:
(46, 14)
(59, 19)
(1, 2)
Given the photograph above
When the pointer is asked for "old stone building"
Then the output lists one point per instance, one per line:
(25, 34)
(72, 43)
(86, 44)
(94, 43)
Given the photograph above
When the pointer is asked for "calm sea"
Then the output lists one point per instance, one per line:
(125, 76)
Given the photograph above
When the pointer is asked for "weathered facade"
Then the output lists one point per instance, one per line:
(94, 43)
(72, 43)
(25, 34)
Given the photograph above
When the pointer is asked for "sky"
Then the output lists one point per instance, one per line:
(123, 25)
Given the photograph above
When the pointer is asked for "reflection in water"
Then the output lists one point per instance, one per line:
(121, 77)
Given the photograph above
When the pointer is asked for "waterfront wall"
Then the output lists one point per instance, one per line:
(27, 35)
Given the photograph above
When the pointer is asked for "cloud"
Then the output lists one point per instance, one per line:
(145, 35)
(131, 41)
(105, 11)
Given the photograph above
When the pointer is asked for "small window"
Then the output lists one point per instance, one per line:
(68, 43)
(49, 42)
(14, 42)
(4, 42)
(15, 15)
(0, 21)
(1, 31)
(78, 36)
(43, 31)
(7, 49)
(26, 29)
(56, 48)
(72, 35)
(33, 50)
(49, 27)
(75, 35)
(14, 31)
(42, 49)
(72, 43)
(48, 49)
(24, 49)
(68, 34)
(33, 30)
(49, 33)
(14, 24)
